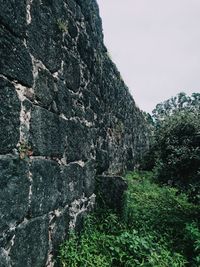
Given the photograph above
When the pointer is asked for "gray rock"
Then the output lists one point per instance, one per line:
(44, 88)
(110, 192)
(71, 72)
(14, 191)
(9, 117)
(72, 183)
(15, 61)
(88, 176)
(44, 26)
(45, 186)
(30, 243)
(46, 139)
(64, 100)
(60, 230)
(78, 141)
(4, 258)
(14, 19)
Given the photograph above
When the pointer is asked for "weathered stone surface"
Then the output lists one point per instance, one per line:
(72, 183)
(88, 177)
(72, 28)
(78, 141)
(64, 100)
(14, 191)
(13, 18)
(60, 230)
(44, 35)
(30, 243)
(102, 161)
(9, 116)
(71, 72)
(86, 51)
(67, 114)
(75, 9)
(15, 61)
(4, 258)
(44, 88)
(58, 135)
(46, 183)
(93, 21)
(110, 192)
(46, 139)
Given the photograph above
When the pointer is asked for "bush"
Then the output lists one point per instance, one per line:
(177, 152)
(192, 238)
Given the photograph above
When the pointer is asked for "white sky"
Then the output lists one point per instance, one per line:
(155, 45)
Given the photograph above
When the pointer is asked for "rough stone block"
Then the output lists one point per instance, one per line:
(46, 183)
(75, 10)
(30, 243)
(15, 61)
(110, 192)
(71, 72)
(89, 173)
(78, 142)
(86, 51)
(44, 88)
(9, 117)
(46, 136)
(14, 191)
(64, 100)
(14, 18)
(72, 183)
(44, 26)
(60, 230)
(4, 259)
(92, 101)
(94, 24)
(72, 28)
(57, 135)
(102, 161)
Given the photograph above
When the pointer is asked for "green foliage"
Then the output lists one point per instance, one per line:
(62, 25)
(25, 151)
(158, 209)
(83, 252)
(157, 230)
(192, 237)
(180, 102)
(132, 249)
(177, 146)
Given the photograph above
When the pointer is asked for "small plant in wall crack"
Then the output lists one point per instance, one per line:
(25, 150)
(62, 25)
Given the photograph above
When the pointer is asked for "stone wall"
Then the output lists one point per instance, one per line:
(65, 116)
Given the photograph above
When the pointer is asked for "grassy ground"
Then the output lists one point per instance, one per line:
(159, 228)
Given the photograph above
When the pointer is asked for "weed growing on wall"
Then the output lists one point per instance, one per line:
(62, 25)
(25, 150)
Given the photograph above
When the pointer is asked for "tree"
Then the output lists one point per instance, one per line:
(180, 102)
(175, 150)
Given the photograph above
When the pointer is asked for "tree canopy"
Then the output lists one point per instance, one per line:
(175, 148)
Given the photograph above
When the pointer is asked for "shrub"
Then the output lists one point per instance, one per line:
(192, 239)
(177, 152)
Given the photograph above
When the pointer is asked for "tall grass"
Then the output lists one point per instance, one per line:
(159, 229)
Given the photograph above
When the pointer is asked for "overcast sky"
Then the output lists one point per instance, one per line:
(155, 45)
